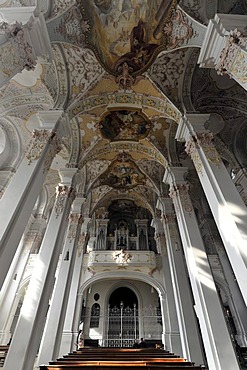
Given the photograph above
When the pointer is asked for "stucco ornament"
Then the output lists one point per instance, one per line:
(36, 146)
(62, 193)
(122, 257)
(236, 42)
(10, 30)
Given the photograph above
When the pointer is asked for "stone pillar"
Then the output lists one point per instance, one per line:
(21, 194)
(225, 46)
(227, 206)
(9, 297)
(72, 317)
(170, 319)
(188, 327)
(26, 339)
(217, 342)
(50, 344)
(165, 322)
(22, 45)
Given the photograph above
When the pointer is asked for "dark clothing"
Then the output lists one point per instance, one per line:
(142, 344)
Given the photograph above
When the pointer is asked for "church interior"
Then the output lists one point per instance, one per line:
(123, 182)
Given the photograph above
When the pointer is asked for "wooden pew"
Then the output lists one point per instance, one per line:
(116, 358)
(3, 353)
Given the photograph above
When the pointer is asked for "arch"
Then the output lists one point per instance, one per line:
(112, 275)
(111, 195)
(11, 144)
(124, 284)
(138, 147)
(124, 100)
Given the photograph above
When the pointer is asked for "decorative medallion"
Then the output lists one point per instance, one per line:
(178, 29)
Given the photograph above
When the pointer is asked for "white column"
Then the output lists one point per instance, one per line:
(21, 194)
(217, 342)
(170, 319)
(188, 327)
(227, 206)
(225, 46)
(22, 45)
(51, 338)
(9, 297)
(72, 317)
(26, 338)
(165, 338)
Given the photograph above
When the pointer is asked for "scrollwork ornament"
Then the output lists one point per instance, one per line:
(62, 193)
(74, 219)
(10, 30)
(80, 244)
(205, 141)
(122, 257)
(25, 50)
(54, 148)
(174, 195)
(192, 150)
(39, 139)
(234, 42)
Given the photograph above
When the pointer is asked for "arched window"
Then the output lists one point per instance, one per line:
(95, 315)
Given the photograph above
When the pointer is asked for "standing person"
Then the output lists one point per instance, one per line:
(142, 343)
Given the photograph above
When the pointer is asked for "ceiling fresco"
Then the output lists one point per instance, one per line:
(126, 31)
(123, 173)
(124, 125)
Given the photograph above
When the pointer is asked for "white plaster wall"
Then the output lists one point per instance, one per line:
(147, 300)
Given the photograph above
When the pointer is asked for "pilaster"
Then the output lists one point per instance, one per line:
(25, 341)
(50, 344)
(9, 297)
(22, 45)
(73, 312)
(188, 328)
(21, 194)
(170, 319)
(227, 206)
(219, 352)
(225, 46)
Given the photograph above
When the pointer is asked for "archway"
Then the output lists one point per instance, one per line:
(123, 319)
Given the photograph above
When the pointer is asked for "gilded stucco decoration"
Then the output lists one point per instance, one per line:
(147, 151)
(178, 30)
(122, 99)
